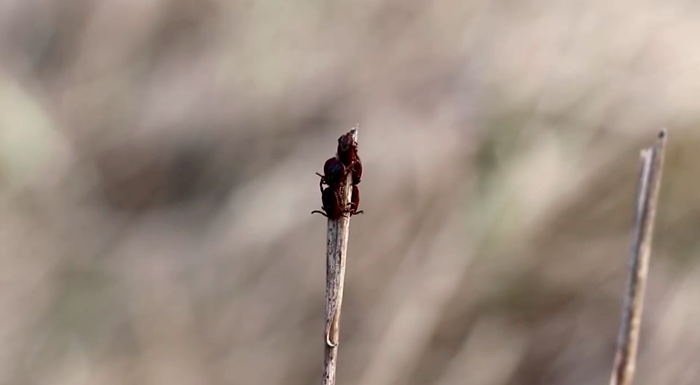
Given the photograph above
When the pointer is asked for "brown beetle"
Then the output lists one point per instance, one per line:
(347, 153)
(333, 172)
(355, 201)
(356, 170)
(331, 203)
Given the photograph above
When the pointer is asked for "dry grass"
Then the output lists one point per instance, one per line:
(649, 186)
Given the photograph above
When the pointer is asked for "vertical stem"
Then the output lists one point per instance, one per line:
(647, 203)
(336, 257)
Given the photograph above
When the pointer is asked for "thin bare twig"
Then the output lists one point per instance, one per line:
(647, 203)
(336, 257)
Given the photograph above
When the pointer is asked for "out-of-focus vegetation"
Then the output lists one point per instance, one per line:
(157, 163)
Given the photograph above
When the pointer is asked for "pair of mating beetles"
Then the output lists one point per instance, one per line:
(335, 170)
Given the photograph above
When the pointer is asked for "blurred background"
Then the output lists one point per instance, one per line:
(157, 163)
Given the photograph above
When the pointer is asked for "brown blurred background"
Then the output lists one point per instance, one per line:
(157, 163)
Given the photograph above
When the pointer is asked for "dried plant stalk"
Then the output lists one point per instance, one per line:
(647, 203)
(336, 257)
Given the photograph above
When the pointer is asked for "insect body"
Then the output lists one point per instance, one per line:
(355, 201)
(331, 203)
(347, 153)
(333, 172)
(356, 170)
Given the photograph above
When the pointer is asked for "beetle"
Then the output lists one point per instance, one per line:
(331, 203)
(333, 172)
(355, 201)
(356, 170)
(347, 154)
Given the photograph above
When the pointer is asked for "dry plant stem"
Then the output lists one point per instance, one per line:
(647, 202)
(336, 257)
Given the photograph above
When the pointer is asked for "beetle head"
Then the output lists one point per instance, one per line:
(345, 142)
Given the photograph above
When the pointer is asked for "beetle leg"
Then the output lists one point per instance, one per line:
(321, 182)
(319, 212)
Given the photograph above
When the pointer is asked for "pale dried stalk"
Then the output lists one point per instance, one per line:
(647, 203)
(336, 256)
